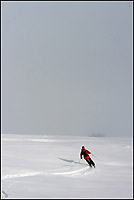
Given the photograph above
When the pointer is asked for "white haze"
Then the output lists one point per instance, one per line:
(67, 68)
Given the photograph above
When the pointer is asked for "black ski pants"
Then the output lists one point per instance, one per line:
(90, 162)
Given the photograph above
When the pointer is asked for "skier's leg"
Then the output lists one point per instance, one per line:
(92, 163)
(88, 161)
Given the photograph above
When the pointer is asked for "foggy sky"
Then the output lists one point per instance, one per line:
(67, 68)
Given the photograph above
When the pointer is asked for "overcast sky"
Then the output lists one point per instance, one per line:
(67, 68)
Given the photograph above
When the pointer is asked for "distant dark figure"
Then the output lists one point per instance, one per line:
(85, 153)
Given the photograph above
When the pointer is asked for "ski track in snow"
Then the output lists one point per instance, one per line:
(78, 172)
(82, 171)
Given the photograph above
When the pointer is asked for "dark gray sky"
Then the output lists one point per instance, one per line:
(67, 68)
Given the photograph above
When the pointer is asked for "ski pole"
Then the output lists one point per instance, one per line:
(96, 157)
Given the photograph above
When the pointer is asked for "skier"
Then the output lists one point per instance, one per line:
(85, 153)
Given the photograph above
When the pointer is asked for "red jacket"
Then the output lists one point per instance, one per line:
(85, 153)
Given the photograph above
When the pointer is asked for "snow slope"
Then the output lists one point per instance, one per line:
(35, 166)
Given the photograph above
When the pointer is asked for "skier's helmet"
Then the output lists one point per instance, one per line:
(83, 147)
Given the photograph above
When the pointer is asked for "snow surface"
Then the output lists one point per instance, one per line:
(35, 167)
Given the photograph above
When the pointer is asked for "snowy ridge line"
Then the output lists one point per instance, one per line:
(32, 140)
(74, 172)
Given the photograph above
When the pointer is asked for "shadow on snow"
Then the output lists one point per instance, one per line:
(71, 161)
